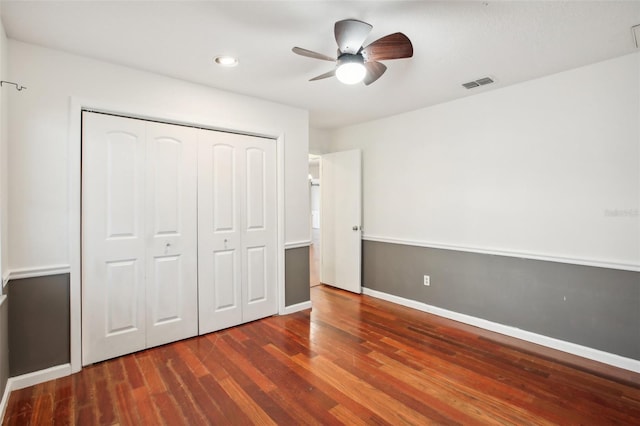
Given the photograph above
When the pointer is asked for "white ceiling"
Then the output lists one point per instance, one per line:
(454, 42)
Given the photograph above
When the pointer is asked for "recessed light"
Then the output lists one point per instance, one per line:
(226, 61)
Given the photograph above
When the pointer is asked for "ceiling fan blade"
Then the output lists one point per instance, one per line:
(325, 75)
(374, 71)
(350, 34)
(393, 46)
(312, 54)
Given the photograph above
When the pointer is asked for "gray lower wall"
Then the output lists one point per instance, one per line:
(296, 276)
(4, 346)
(39, 323)
(589, 306)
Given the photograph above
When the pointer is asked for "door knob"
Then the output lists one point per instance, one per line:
(355, 227)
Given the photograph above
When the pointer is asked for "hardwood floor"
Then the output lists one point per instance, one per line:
(354, 360)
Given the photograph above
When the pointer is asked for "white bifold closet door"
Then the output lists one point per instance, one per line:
(237, 226)
(139, 235)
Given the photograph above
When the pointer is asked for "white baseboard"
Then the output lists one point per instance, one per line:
(5, 400)
(550, 342)
(296, 308)
(30, 379)
(41, 376)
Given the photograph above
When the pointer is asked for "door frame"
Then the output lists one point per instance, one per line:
(76, 106)
(317, 157)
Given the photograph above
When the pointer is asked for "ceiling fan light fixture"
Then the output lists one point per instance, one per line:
(356, 62)
(350, 69)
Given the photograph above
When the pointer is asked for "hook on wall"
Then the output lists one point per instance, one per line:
(18, 87)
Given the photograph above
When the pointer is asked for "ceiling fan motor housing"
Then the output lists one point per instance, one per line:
(348, 58)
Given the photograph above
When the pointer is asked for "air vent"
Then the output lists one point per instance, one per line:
(477, 83)
(636, 34)
(484, 81)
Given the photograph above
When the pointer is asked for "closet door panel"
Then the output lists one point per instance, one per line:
(169, 300)
(171, 207)
(255, 189)
(123, 181)
(122, 286)
(167, 185)
(257, 278)
(219, 250)
(113, 184)
(225, 280)
(223, 188)
(259, 236)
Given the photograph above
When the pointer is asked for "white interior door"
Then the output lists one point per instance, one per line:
(139, 232)
(172, 233)
(341, 215)
(113, 237)
(237, 229)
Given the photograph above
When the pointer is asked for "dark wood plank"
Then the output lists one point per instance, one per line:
(191, 414)
(105, 404)
(145, 407)
(127, 409)
(319, 396)
(277, 368)
(42, 409)
(202, 398)
(167, 408)
(153, 381)
(132, 370)
(352, 360)
(245, 380)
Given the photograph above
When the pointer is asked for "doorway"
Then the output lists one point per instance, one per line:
(336, 216)
(314, 200)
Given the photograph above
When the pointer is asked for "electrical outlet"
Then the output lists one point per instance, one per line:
(427, 280)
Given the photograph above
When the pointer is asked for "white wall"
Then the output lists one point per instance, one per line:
(548, 167)
(39, 135)
(5, 92)
(319, 141)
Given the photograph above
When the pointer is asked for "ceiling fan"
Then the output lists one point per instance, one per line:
(356, 63)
